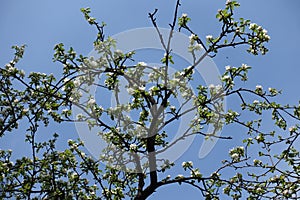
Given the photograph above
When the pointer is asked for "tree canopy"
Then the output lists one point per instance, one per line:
(264, 166)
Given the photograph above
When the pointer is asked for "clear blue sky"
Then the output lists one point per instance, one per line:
(42, 24)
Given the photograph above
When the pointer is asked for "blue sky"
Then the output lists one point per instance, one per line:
(42, 24)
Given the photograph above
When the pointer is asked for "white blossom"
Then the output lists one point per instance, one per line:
(195, 173)
(65, 110)
(142, 64)
(259, 87)
(259, 28)
(256, 162)
(133, 147)
(25, 110)
(198, 46)
(142, 88)
(76, 82)
(235, 156)
(91, 102)
(184, 15)
(227, 68)
(179, 176)
(285, 192)
(66, 80)
(192, 38)
(241, 148)
(244, 66)
(211, 86)
(255, 102)
(260, 137)
(209, 37)
(267, 37)
(93, 64)
(82, 154)
(79, 116)
(264, 31)
(22, 72)
(226, 77)
(10, 68)
(172, 108)
(292, 129)
(253, 26)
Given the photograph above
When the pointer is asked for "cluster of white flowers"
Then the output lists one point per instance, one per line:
(75, 96)
(255, 102)
(252, 26)
(66, 80)
(65, 110)
(215, 88)
(187, 164)
(211, 86)
(153, 90)
(173, 109)
(241, 149)
(179, 176)
(142, 64)
(194, 45)
(257, 162)
(232, 113)
(10, 66)
(235, 156)
(93, 64)
(273, 91)
(22, 73)
(142, 88)
(187, 93)
(133, 147)
(259, 89)
(77, 82)
(25, 110)
(236, 153)
(82, 154)
(286, 192)
(227, 68)
(265, 35)
(195, 173)
(184, 15)
(72, 144)
(197, 47)
(209, 37)
(79, 116)
(226, 78)
(245, 67)
(193, 38)
(264, 32)
(293, 129)
(91, 102)
(140, 131)
(118, 52)
(260, 138)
